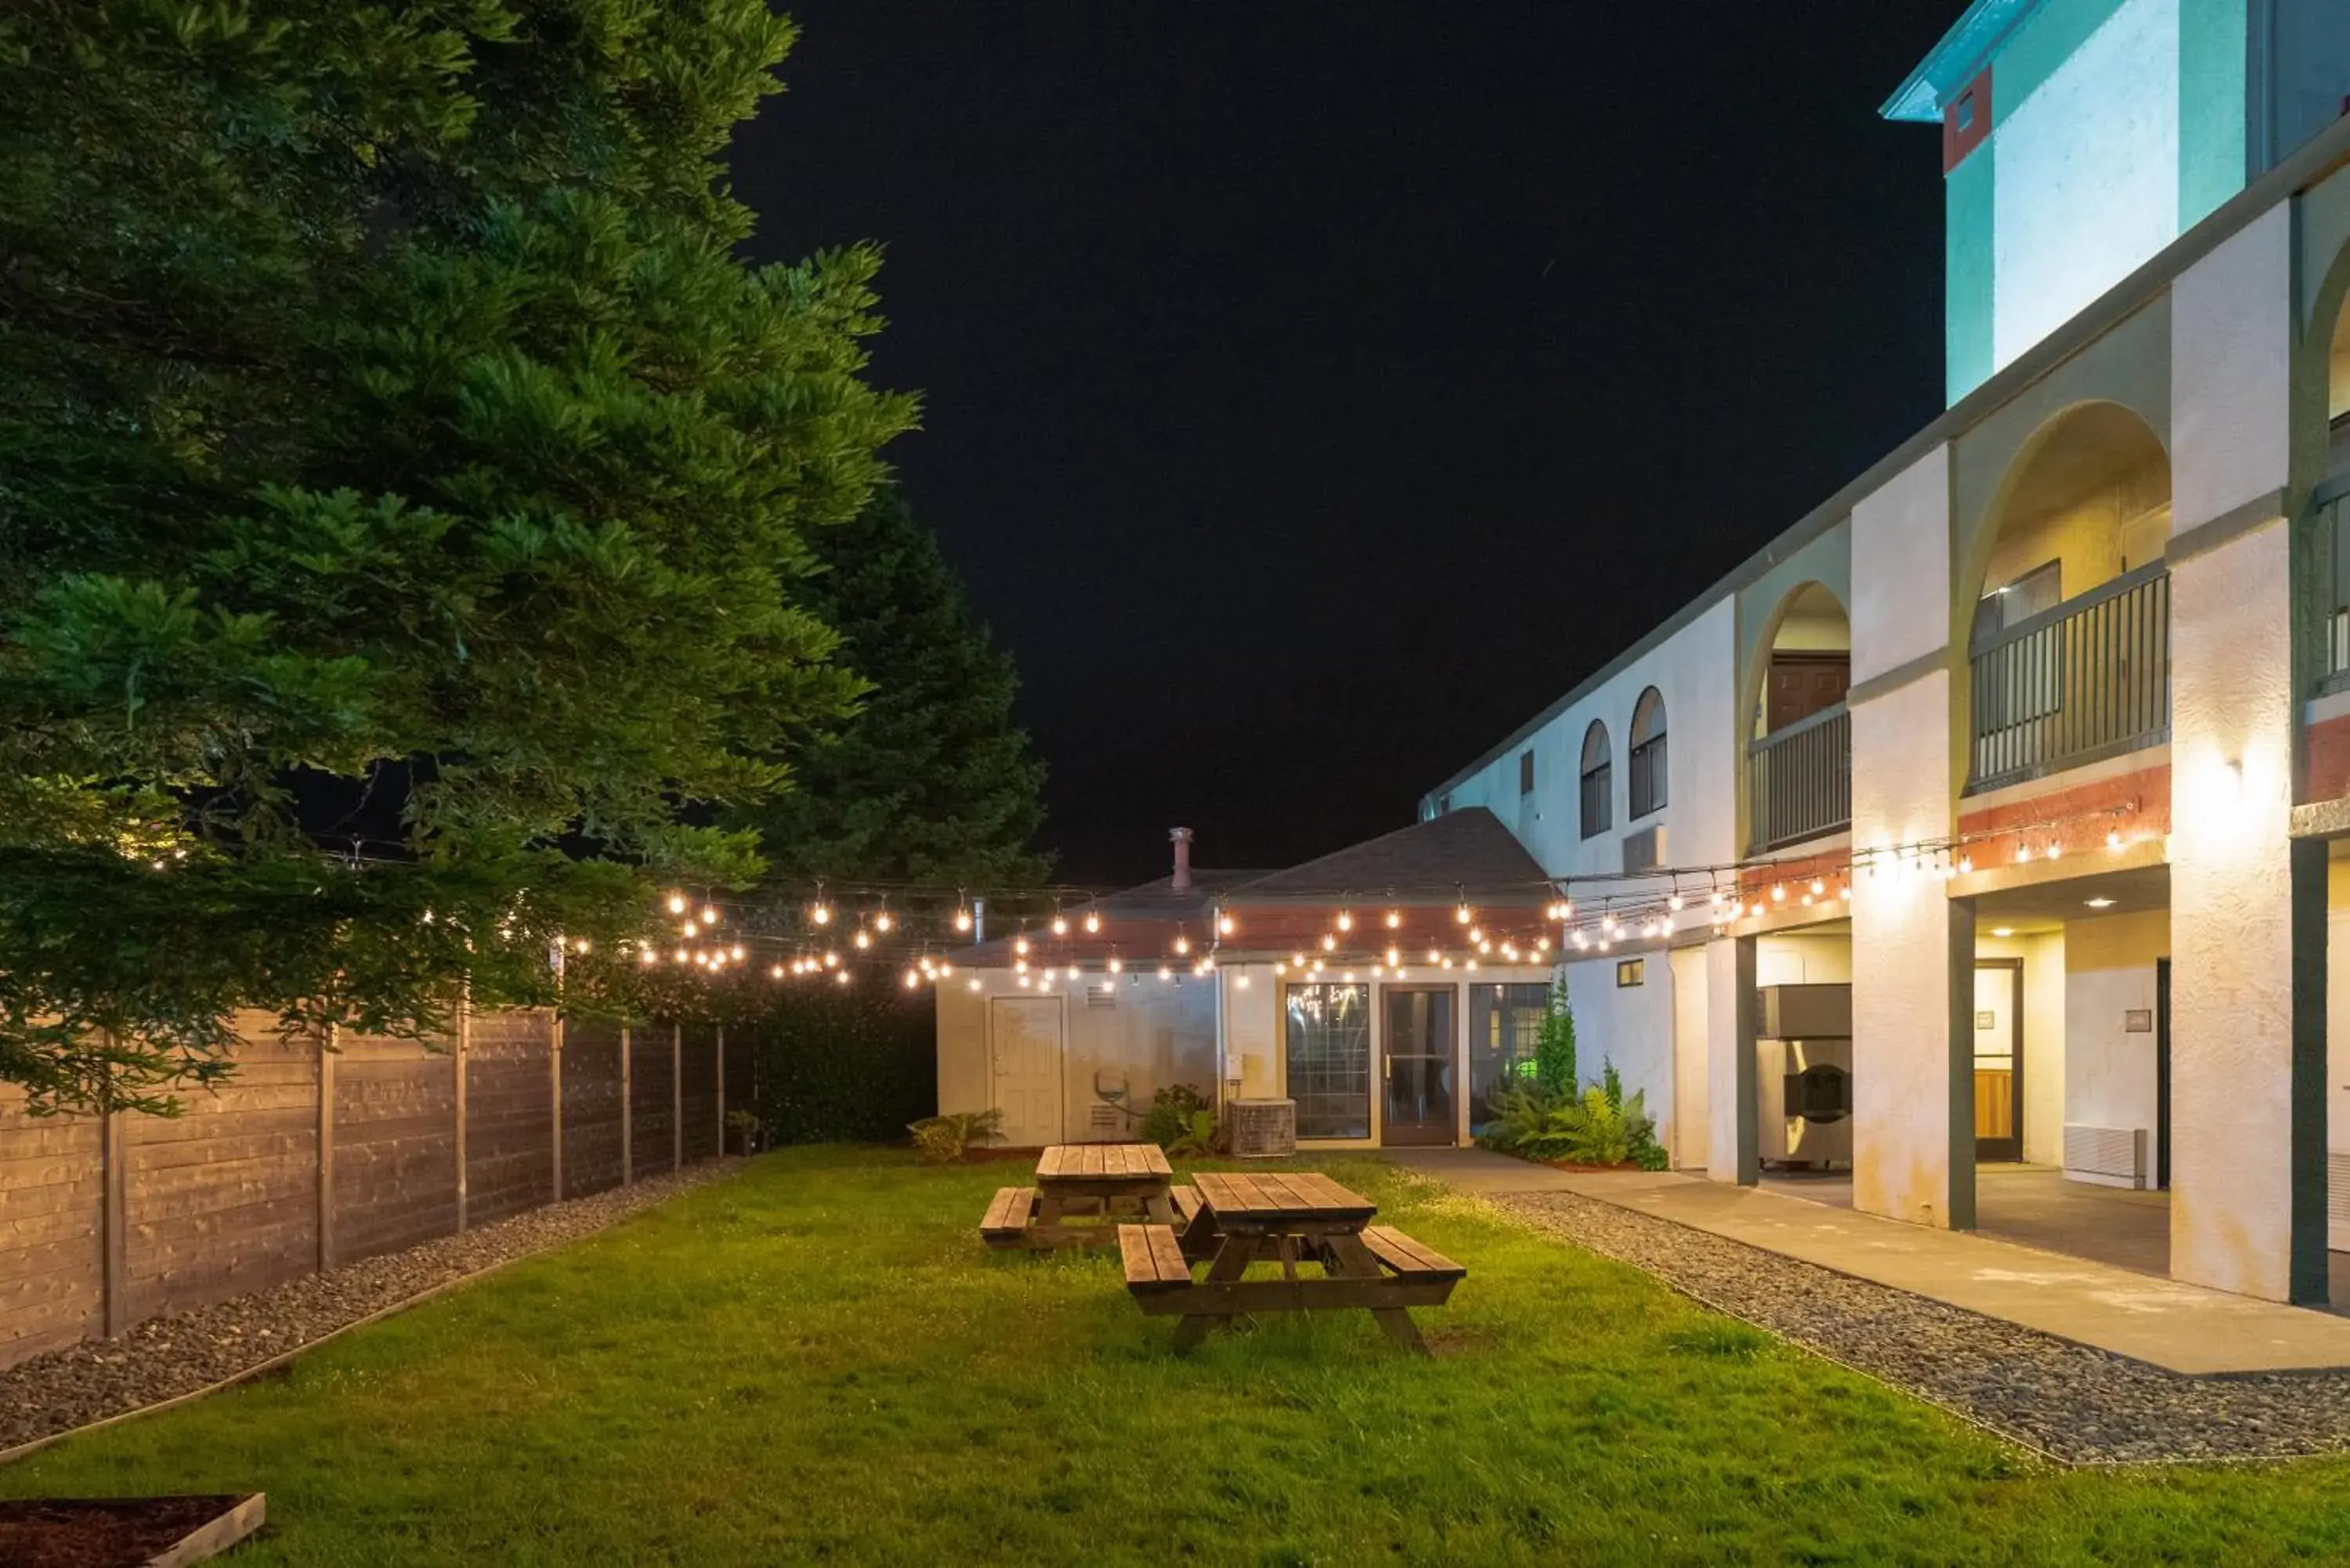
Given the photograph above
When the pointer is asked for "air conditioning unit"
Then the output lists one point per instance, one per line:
(1263, 1129)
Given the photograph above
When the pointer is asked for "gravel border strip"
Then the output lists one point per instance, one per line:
(2062, 1401)
(178, 1357)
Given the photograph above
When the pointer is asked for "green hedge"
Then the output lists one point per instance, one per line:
(843, 1063)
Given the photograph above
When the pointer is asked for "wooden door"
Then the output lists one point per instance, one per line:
(1801, 684)
(1998, 1059)
(1025, 1047)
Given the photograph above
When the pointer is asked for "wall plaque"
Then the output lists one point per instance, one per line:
(2139, 1021)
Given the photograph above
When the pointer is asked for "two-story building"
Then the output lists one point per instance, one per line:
(2036, 736)
(2038, 733)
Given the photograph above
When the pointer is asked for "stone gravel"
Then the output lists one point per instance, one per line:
(2067, 1401)
(181, 1352)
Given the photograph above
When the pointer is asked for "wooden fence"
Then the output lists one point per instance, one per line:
(306, 1158)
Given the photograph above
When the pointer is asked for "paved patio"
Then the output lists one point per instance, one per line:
(2115, 1302)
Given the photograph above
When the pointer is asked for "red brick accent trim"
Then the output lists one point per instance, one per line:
(2326, 769)
(1972, 104)
(2135, 805)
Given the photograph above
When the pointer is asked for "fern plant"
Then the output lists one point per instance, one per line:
(944, 1139)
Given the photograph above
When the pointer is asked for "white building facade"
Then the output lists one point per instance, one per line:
(2037, 735)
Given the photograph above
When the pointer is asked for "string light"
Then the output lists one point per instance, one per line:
(1020, 945)
(840, 975)
(821, 914)
(1093, 922)
(861, 939)
(1460, 916)
(1329, 943)
(1182, 944)
(1395, 919)
(1346, 920)
(881, 921)
(962, 920)
(709, 916)
(1116, 963)
(677, 903)
(1226, 924)
(1060, 925)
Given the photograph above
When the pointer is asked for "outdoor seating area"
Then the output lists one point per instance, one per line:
(1286, 1220)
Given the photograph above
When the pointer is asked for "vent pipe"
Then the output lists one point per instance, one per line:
(1182, 881)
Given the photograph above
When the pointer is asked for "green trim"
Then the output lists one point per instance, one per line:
(2212, 90)
(1969, 269)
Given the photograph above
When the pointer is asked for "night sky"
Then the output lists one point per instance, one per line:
(1316, 391)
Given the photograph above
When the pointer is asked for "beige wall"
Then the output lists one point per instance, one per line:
(2110, 1078)
(1153, 1034)
(2118, 525)
(1692, 1120)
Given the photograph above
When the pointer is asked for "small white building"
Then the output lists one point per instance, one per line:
(1385, 989)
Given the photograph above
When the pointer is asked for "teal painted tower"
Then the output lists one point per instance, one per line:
(2081, 137)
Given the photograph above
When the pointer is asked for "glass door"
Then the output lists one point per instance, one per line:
(1418, 1107)
(1998, 1059)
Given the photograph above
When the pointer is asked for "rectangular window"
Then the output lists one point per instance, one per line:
(1327, 1042)
(1648, 777)
(1598, 800)
(1631, 972)
(1525, 772)
(1505, 1023)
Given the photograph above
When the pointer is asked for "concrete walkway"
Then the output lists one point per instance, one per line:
(2181, 1327)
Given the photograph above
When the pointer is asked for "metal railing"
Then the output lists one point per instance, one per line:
(2335, 516)
(2086, 678)
(1799, 779)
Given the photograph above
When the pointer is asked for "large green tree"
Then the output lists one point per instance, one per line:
(392, 448)
(930, 780)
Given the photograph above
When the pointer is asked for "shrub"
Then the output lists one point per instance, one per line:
(1599, 1127)
(1174, 1117)
(1554, 1062)
(942, 1138)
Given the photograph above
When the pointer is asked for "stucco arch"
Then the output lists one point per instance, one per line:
(2321, 376)
(2090, 488)
(1826, 624)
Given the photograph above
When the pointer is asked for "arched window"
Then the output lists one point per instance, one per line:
(1648, 755)
(1598, 782)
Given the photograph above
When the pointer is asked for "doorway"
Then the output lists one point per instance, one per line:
(1025, 1052)
(1418, 1039)
(2162, 1074)
(1998, 1059)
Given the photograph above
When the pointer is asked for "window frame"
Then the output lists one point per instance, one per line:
(1597, 803)
(1650, 759)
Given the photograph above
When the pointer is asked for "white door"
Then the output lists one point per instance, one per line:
(1024, 1043)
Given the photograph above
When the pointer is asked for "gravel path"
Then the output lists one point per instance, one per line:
(165, 1357)
(2072, 1403)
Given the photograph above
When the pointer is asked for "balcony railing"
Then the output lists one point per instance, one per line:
(1799, 779)
(2334, 519)
(2087, 679)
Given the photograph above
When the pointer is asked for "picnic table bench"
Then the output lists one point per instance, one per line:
(1081, 1177)
(1288, 1220)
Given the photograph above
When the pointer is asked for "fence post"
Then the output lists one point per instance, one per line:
(115, 1251)
(677, 1096)
(327, 1148)
(464, 1038)
(627, 1115)
(554, 1087)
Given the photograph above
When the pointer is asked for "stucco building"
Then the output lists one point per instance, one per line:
(2036, 736)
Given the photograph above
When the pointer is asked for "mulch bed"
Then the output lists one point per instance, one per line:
(102, 1533)
(2069, 1401)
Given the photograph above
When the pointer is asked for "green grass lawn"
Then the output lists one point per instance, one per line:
(817, 1361)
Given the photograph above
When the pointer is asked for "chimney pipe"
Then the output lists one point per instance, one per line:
(1182, 881)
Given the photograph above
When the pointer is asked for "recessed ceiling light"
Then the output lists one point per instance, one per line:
(2101, 903)
(2003, 931)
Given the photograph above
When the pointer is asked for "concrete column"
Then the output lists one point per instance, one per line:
(1912, 967)
(1732, 1147)
(2247, 903)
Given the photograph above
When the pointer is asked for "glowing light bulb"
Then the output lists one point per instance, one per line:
(1182, 946)
(1395, 919)
(945, 968)
(777, 972)
(1226, 924)
(1241, 981)
(2113, 838)
(1116, 964)
(677, 903)
(2023, 852)
(737, 952)
(913, 980)
(1476, 935)
(689, 929)
(1818, 886)
(962, 920)
(1966, 864)
(1778, 892)
(840, 975)
(1674, 902)
(1460, 916)
(821, 914)
(1433, 955)
(1165, 973)
(709, 916)
(881, 922)
(972, 983)
(647, 955)
(1346, 921)
(2055, 849)
(1093, 922)
(861, 940)
(831, 959)
(1329, 943)
(1060, 925)
(1394, 957)
(1020, 945)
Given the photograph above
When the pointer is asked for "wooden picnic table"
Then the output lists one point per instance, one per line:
(1134, 1177)
(1303, 1217)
